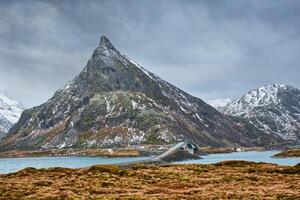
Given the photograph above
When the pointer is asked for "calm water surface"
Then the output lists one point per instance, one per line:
(8, 165)
(255, 156)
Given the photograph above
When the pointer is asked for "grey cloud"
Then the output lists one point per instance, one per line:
(209, 48)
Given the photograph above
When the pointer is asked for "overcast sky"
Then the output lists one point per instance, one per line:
(210, 49)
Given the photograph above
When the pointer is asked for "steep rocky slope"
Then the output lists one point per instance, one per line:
(4, 126)
(272, 108)
(115, 102)
(10, 111)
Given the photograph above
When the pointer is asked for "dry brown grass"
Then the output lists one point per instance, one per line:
(213, 150)
(72, 152)
(226, 180)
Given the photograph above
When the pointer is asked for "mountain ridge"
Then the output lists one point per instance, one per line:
(114, 102)
(273, 108)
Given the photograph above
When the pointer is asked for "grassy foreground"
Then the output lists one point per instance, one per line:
(225, 180)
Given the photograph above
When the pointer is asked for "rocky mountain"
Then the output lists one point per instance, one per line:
(4, 126)
(114, 102)
(271, 108)
(10, 112)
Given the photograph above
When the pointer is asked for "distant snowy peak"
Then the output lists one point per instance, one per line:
(263, 96)
(274, 109)
(9, 108)
(219, 103)
(10, 112)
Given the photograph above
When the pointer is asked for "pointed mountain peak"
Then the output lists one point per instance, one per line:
(106, 49)
(104, 42)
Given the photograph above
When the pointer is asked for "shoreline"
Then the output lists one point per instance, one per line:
(149, 150)
(291, 153)
(109, 153)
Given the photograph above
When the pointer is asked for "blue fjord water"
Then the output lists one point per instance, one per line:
(254, 156)
(8, 165)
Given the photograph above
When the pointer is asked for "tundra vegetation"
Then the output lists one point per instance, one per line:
(225, 180)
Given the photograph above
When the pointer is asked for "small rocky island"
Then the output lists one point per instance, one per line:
(288, 153)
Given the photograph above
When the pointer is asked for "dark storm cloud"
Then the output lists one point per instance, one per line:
(211, 49)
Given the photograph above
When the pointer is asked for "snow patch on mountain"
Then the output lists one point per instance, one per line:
(219, 103)
(4, 126)
(10, 111)
(10, 108)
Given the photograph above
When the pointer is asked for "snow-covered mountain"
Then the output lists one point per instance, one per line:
(219, 103)
(115, 102)
(10, 111)
(272, 108)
